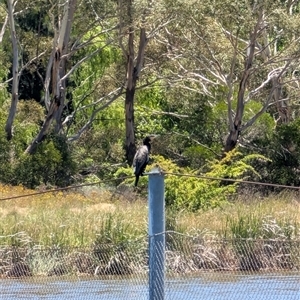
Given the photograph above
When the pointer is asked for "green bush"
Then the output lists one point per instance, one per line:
(51, 164)
(5, 159)
(187, 189)
(282, 149)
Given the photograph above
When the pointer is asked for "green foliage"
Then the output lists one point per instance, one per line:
(51, 164)
(281, 147)
(195, 193)
(100, 148)
(34, 18)
(252, 226)
(29, 117)
(182, 118)
(148, 112)
(234, 165)
(185, 189)
(197, 155)
(4, 96)
(93, 80)
(114, 230)
(5, 157)
(263, 127)
(10, 150)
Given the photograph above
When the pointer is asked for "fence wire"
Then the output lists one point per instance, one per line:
(194, 269)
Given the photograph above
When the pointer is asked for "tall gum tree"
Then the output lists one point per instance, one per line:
(125, 33)
(134, 64)
(139, 24)
(15, 71)
(277, 63)
(55, 74)
(221, 50)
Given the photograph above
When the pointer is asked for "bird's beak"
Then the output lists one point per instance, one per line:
(153, 136)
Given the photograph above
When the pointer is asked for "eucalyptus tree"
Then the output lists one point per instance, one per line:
(271, 60)
(131, 35)
(140, 21)
(56, 71)
(77, 32)
(48, 42)
(240, 53)
(22, 45)
(128, 24)
(15, 69)
(3, 27)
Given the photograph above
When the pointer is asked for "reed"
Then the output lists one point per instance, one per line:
(77, 219)
(69, 219)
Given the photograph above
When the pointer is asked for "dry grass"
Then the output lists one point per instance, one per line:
(283, 209)
(82, 218)
(71, 218)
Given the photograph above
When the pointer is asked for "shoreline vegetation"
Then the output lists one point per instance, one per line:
(100, 231)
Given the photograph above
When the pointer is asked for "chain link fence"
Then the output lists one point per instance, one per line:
(194, 269)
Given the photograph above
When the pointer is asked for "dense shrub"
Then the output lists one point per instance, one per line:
(282, 149)
(5, 159)
(188, 189)
(51, 164)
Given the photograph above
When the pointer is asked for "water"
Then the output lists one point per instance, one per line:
(238, 288)
(229, 286)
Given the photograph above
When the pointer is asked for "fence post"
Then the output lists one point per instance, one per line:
(156, 202)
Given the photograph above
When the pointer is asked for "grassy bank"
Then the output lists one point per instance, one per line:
(93, 215)
(98, 231)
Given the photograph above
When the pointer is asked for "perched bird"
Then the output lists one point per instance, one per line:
(141, 158)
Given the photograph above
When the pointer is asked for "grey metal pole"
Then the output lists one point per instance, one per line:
(156, 201)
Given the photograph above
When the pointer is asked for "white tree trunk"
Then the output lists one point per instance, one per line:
(57, 59)
(15, 72)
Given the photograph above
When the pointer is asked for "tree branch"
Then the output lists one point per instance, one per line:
(3, 28)
(115, 95)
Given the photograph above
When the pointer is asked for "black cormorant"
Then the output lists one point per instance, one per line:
(141, 158)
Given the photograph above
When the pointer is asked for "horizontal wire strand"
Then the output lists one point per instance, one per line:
(163, 173)
(65, 188)
(234, 180)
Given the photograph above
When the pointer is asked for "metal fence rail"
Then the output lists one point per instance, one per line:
(194, 269)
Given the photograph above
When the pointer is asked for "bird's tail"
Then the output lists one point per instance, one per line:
(136, 180)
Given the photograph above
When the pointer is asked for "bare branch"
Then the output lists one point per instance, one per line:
(114, 96)
(267, 102)
(83, 60)
(229, 81)
(15, 71)
(3, 28)
(198, 143)
(121, 26)
(272, 74)
(77, 46)
(166, 113)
